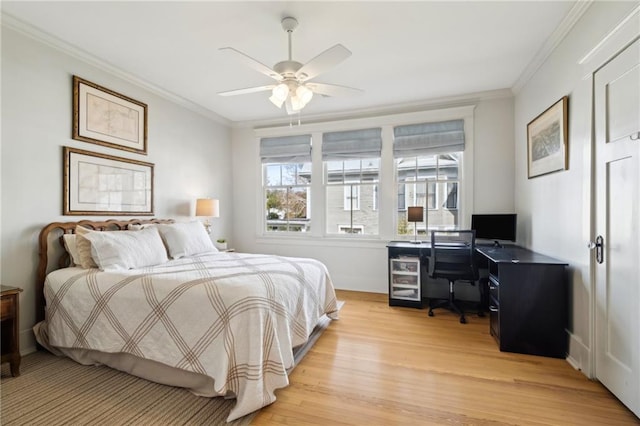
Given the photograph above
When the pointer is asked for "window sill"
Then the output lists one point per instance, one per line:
(328, 240)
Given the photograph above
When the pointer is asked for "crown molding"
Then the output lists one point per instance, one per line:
(11, 22)
(567, 24)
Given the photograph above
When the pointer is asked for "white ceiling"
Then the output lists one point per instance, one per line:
(403, 52)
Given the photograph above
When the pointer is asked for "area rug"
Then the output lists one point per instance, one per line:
(54, 390)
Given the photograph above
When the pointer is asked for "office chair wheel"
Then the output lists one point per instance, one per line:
(463, 320)
(430, 313)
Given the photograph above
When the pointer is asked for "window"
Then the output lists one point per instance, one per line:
(286, 183)
(352, 197)
(452, 196)
(352, 183)
(351, 167)
(428, 161)
(430, 182)
(375, 197)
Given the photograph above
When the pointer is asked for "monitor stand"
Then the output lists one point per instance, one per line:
(496, 244)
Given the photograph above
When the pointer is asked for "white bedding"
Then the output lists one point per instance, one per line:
(233, 317)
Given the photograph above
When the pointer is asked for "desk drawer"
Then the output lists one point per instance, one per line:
(494, 289)
(494, 308)
(494, 322)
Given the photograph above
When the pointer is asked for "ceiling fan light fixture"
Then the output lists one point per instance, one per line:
(304, 94)
(277, 102)
(280, 92)
(296, 103)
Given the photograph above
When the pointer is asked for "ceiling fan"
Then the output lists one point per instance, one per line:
(293, 87)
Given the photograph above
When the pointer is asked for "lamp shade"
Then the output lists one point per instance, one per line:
(415, 214)
(208, 207)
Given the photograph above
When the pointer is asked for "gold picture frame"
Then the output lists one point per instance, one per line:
(101, 184)
(108, 118)
(547, 137)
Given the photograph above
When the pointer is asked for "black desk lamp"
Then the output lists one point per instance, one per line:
(415, 215)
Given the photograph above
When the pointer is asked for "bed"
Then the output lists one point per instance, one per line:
(217, 323)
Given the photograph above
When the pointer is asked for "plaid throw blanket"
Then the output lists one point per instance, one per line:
(231, 316)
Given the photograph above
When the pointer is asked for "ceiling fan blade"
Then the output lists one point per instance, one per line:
(247, 90)
(333, 89)
(323, 62)
(256, 65)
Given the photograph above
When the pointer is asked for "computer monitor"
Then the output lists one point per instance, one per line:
(497, 227)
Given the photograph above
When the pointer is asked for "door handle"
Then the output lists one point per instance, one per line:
(598, 245)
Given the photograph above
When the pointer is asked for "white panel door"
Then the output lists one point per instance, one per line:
(617, 163)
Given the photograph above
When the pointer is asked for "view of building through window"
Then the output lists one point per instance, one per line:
(427, 166)
(352, 194)
(431, 182)
(351, 188)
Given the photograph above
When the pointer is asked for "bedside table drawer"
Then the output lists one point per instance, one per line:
(7, 308)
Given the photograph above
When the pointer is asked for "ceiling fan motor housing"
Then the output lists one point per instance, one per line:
(289, 24)
(287, 68)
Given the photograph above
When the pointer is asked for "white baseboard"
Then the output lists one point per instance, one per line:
(27, 342)
(579, 356)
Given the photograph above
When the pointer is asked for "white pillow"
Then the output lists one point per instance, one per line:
(70, 245)
(186, 239)
(83, 246)
(127, 249)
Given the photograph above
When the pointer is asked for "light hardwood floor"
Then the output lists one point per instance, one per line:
(381, 365)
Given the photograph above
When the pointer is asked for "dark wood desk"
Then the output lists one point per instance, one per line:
(528, 301)
(527, 294)
(438, 288)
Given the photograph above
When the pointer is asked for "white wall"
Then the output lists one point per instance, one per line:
(362, 265)
(554, 211)
(190, 151)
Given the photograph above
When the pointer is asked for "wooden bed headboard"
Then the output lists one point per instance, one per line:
(61, 257)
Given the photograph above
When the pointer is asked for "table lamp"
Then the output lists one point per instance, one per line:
(207, 207)
(415, 215)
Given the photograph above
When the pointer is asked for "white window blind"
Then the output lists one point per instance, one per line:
(428, 138)
(365, 143)
(286, 149)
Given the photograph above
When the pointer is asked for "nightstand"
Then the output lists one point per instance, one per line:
(9, 315)
(229, 250)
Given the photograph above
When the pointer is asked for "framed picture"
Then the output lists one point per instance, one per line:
(107, 118)
(547, 140)
(100, 184)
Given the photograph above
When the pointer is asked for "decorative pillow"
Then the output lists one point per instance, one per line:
(83, 246)
(186, 239)
(127, 249)
(70, 245)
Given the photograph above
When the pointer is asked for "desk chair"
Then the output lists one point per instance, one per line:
(452, 258)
